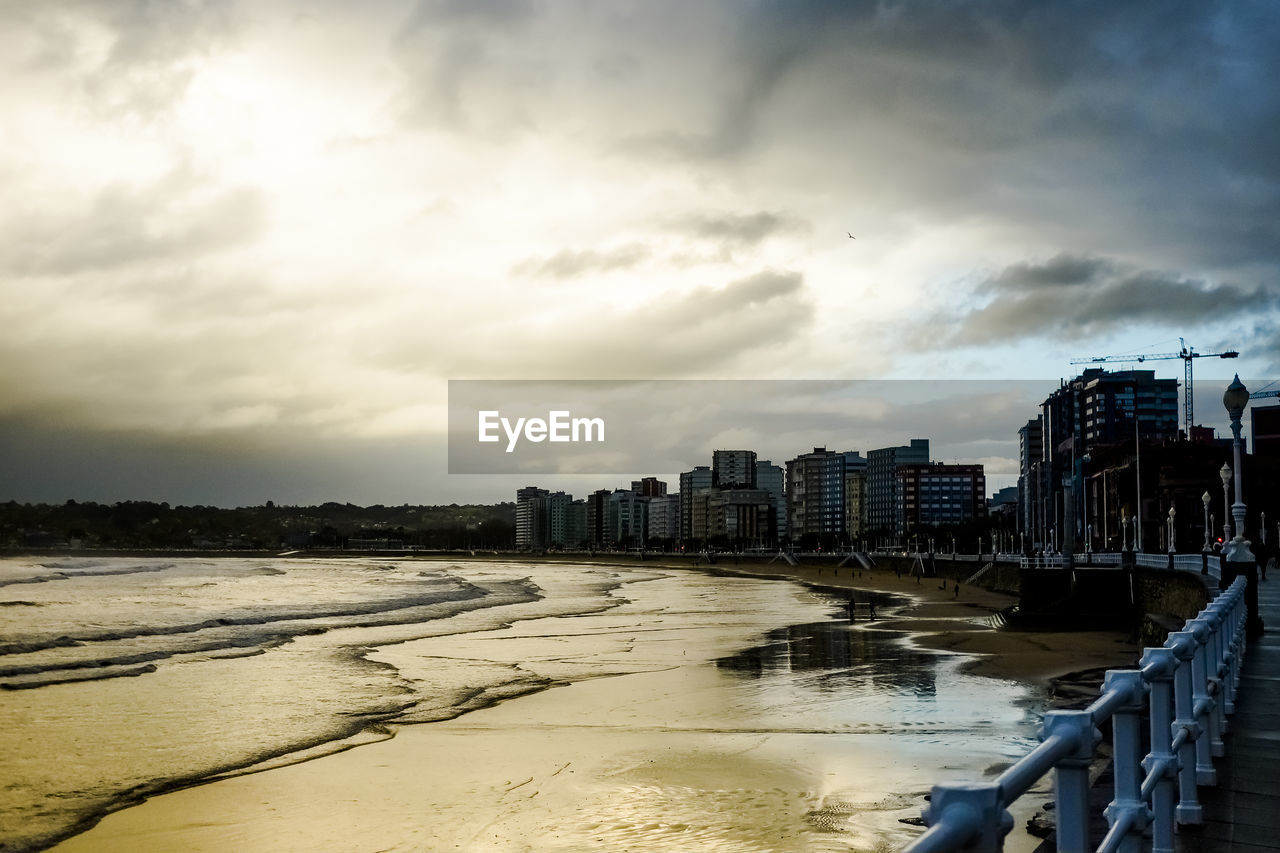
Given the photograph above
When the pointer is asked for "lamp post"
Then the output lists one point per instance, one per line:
(1224, 473)
(1173, 513)
(1241, 560)
(1206, 500)
(1235, 398)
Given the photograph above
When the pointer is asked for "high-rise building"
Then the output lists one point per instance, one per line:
(545, 519)
(772, 478)
(626, 519)
(1266, 430)
(882, 485)
(937, 494)
(596, 513)
(664, 519)
(525, 515)
(739, 518)
(575, 525)
(855, 505)
(1098, 408)
(815, 497)
(690, 483)
(1108, 402)
(733, 469)
(1030, 454)
(650, 487)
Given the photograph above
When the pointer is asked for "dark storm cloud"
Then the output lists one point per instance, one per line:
(1109, 125)
(703, 329)
(143, 69)
(725, 231)
(46, 457)
(1083, 296)
(674, 334)
(175, 218)
(739, 229)
(568, 263)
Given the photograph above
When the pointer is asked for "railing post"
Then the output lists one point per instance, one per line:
(1202, 704)
(1189, 810)
(1071, 777)
(1209, 622)
(1221, 613)
(1161, 761)
(1126, 726)
(971, 805)
(1239, 616)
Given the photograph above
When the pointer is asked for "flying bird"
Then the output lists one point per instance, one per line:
(851, 237)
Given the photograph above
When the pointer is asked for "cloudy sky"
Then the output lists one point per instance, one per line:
(244, 246)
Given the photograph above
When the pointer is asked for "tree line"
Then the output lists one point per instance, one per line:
(148, 524)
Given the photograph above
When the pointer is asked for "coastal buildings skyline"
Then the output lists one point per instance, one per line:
(1080, 481)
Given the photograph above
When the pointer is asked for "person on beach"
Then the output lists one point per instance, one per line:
(957, 592)
(871, 609)
(853, 609)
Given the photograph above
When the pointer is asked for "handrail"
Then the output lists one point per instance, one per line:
(1205, 564)
(1186, 688)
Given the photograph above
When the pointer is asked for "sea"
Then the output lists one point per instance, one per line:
(125, 677)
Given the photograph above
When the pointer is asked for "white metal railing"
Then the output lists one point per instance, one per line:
(1210, 564)
(1043, 561)
(1199, 563)
(1186, 687)
(1152, 561)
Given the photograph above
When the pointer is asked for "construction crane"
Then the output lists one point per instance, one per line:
(1262, 395)
(1187, 354)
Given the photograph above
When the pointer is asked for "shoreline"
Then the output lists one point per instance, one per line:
(1036, 656)
(234, 805)
(940, 619)
(934, 617)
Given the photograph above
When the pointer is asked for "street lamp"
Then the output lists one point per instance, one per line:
(1225, 474)
(1241, 560)
(1173, 512)
(1235, 398)
(1206, 500)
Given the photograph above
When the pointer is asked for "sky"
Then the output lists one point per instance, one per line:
(244, 246)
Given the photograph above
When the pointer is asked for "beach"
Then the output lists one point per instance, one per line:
(731, 709)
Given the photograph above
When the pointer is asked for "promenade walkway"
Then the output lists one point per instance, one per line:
(1242, 814)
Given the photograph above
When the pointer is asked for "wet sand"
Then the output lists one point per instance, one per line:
(662, 760)
(965, 623)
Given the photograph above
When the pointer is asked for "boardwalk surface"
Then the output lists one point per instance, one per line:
(1242, 813)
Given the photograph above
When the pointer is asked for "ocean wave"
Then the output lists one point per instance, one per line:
(241, 637)
(354, 694)
(458, 591)
(27, 646)
(30, 685)
(66, 572)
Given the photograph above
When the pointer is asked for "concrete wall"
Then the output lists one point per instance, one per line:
(1168, 600)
